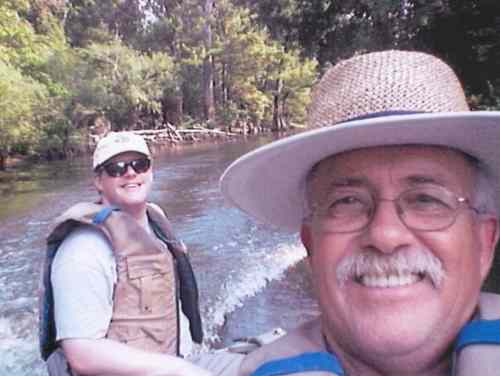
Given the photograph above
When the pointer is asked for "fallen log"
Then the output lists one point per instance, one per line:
(175, 136)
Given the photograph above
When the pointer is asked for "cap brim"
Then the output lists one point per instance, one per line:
(269, 182)
(106, 157)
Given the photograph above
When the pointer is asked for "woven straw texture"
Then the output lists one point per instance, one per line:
(385, 81)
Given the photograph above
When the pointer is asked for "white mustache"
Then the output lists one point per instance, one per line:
(406, 261)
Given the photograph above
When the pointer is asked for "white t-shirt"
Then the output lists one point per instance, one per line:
(83, 278)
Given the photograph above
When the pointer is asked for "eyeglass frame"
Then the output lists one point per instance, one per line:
(375, 201)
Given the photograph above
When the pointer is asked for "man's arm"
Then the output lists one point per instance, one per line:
(111, 358)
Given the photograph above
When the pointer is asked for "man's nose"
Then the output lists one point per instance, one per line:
(386, 231)
(130, 171)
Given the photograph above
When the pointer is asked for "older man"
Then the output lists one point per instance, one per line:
(396, 198)
(110, 304)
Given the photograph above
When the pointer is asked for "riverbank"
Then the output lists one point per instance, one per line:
(17, 161)
(157, 139)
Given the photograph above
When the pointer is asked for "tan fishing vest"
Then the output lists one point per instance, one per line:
(145, 313)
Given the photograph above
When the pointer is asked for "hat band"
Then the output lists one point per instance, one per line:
(374, 115)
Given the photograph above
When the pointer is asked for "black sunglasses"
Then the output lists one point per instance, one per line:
(116, 169)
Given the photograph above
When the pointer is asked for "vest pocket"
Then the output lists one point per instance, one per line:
(147, 337)
(152, 277)
(147, 265)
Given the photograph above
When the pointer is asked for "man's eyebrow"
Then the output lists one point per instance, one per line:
(348, 181)
(414, 180)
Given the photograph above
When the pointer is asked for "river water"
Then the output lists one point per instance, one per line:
(251, 278)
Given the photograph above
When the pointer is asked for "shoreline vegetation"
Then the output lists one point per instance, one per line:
(69, 69)
(166, 137)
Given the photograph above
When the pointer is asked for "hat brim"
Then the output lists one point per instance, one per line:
(269, 182)
(106, 157)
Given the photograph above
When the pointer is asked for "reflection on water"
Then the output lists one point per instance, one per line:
(23, 188)
(234, 258)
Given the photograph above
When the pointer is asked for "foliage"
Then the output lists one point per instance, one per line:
(119, 81)
(298, 78)
(463, 32)
(23, 92)
(127, 61)
(466, 33)
(19, 98)
(101, 21)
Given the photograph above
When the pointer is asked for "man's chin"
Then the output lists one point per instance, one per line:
(393, 322)
(130, 203)
(399, 328)
(398, 335)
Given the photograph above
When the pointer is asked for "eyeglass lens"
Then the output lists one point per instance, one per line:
(425, 209)
(116, 169)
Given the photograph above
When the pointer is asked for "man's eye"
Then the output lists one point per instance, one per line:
(347, 205)
(425, 201)
(424, 198)
(348, 200)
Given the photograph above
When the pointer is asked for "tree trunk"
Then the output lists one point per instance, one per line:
(224, 85)
(278, 123)
(132, 121)
(172, 108)
(208, 74)
(3, 161)
(286, 114)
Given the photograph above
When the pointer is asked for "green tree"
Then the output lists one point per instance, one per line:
(256, 72)
(282, 20)
(122, 83)
(20, 97)
(102, 21)
(29, 36)
(129, 60)
(467, 34)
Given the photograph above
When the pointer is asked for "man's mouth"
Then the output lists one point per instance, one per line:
(131, 185)
(390, 279)
(405, 267)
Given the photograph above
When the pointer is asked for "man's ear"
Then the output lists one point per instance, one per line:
(97, 183)
(306, 238)
(489, 234)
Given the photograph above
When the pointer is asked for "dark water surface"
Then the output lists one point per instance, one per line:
(251, 278)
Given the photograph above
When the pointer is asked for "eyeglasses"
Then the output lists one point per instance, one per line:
(117, 169)
(421, 209)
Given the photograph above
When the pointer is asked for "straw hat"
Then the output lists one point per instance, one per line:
(382, 98)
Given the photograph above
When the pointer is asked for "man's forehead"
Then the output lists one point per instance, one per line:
(349, 168)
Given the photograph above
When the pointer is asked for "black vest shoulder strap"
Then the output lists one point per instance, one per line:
(188, 287)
